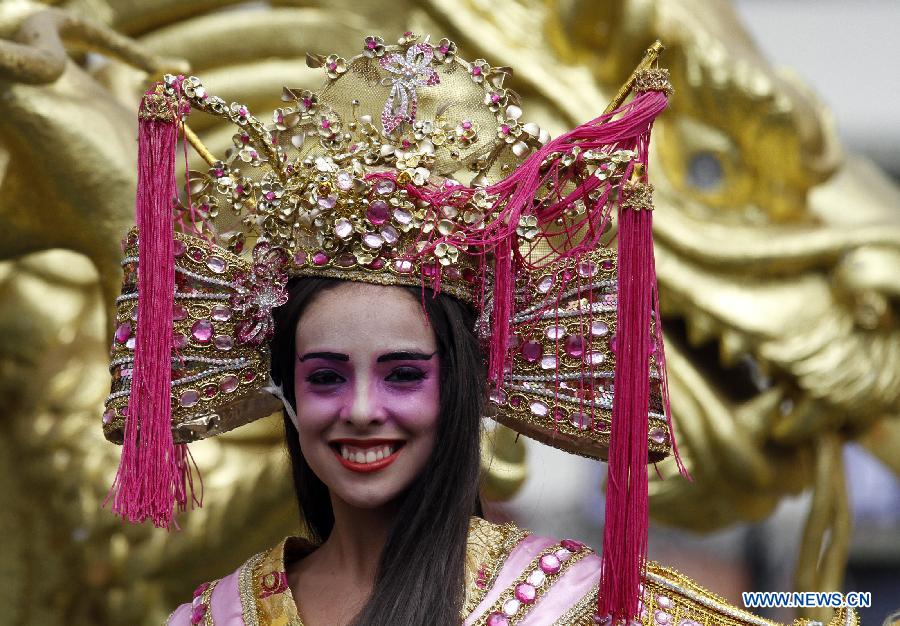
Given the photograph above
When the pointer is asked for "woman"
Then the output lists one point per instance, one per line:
(373, 281)
(386, 463)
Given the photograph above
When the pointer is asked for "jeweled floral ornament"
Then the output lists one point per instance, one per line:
(453, 191)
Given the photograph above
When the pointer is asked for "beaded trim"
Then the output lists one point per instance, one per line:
(538, 577)
(638, 196)
(245, 587)
(157, 106)
(498, 542)
(653, 79)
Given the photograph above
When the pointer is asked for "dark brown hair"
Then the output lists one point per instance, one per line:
(420, 576)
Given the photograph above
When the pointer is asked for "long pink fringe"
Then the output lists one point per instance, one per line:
(625, 534)
(151, 476)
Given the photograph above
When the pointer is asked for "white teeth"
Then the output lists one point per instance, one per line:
(366, 455)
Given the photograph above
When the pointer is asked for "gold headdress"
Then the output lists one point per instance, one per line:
(410, 166)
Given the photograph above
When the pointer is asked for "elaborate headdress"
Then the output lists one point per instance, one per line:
(410, 166)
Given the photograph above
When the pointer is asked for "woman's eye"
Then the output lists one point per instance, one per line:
(406, 375)
(326, 377)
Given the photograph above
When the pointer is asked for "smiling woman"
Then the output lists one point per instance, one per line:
(377, 375)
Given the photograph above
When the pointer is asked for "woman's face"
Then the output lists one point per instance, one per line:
(366, 382)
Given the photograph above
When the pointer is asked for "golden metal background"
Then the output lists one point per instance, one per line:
(778, 257)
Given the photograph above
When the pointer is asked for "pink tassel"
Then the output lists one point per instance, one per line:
(627, 510)
(152, 475)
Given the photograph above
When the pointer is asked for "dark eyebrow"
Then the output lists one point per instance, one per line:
(405, 356)
(330, 356)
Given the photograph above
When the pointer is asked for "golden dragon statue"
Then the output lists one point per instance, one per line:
(778, 257)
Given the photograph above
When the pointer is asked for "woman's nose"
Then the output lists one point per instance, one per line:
(365, 406)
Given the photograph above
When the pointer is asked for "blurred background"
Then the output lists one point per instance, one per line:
(777, 171)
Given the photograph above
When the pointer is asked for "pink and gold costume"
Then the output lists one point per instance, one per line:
(512, 578)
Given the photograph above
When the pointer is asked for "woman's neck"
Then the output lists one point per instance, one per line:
(358, 537)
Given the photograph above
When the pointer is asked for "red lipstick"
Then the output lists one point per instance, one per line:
(366, 468)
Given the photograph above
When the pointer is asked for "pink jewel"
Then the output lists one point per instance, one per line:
(332, 66)
(549, 564)
(525, 593)
(197, 613)
(429, 270)
(559, 414)
(196, 254)
(664, 602)
(377, 264)
(444, 49)
(223, 342)
(607, 265)
(179, 313)
(249, 376)
(511, 607)
(210, 391)
(539, 408)
(385, 187)
(378, 212)
(108, 416)
(345, 260)
(402, 217)
(189, 398)
(612, 343)
(371, 45)
(536, 578)
(467, 124)
(228, 384)
(572, 545)
(662, 618)
(497, 619)
(202, 331)
(575, 345)
(603, 427)
(563, 554)
(586, 269)
(123, 332)
(327, 202)
(594, 358)
(406, 144)
(476, 71)
(344, 180)
(598, 328)
(179, 341)
(179, 248)
(390, 234)
(320, 258)
(579, 420)
(307, 102)
(326, 124)
(515, 401)
(556, 332)
(546, 284)
(548, 362)
(199, 590)
(343, 228)
(300, 257)
(532, 351)
(504, 128)
(372, 240)
(220, 313)
(270, 195)
(659, 435)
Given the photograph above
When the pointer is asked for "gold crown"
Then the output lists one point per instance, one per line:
(396, 172)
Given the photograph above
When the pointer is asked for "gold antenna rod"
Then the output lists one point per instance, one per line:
(198, 145)
(650, 57)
